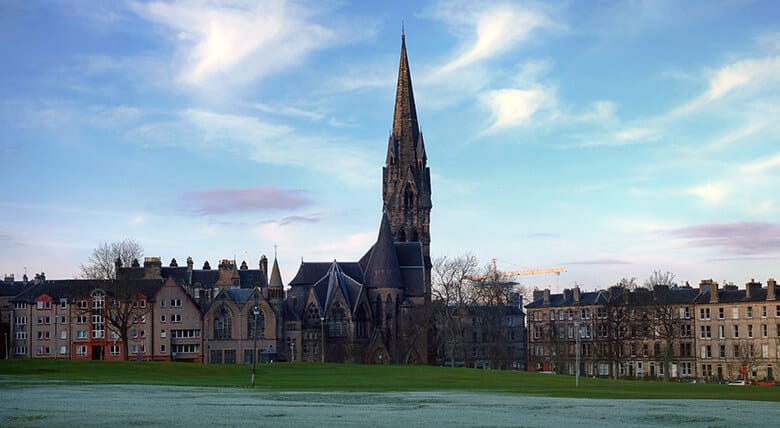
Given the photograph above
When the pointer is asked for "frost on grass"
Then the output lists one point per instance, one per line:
(58, 404)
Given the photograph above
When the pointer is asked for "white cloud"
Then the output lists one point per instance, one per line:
(492, 30)
(710, 193)
(239, 41)
(515, 107)
(763, 165)
(736, 78)
(630, 135)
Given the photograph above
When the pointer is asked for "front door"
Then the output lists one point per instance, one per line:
(97, 352)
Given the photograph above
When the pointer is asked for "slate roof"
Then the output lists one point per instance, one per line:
(276, 276)
(336, 280)
(383, 269)
(13, 288)
(239, 295)
(735, 295)
(311, 272)
(640, 296)
(73, 289)
(248, 278)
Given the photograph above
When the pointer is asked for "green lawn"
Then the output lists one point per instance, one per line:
(366, 378)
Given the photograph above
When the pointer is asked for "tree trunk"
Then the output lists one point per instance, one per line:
(125, 347)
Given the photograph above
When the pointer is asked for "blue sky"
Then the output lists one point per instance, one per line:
(610, 138)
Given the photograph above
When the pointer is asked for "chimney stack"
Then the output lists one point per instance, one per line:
(546, 296)
(751, 288)
(576, 292)
(714, 292)
(770, 289)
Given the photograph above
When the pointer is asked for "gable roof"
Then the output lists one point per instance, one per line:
(337, 281)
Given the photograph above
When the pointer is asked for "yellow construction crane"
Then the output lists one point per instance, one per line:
(498, 275)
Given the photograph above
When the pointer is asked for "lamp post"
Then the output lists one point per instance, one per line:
(256, 313)
(322, 338)
(577, 355)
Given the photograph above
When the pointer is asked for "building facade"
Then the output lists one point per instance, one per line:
(668, 332)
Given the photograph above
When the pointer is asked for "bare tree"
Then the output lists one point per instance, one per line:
(453, 293)
(628, 283)
(124, 304)
(618, 324)
(102, 261)
(664, 324)
(749, 357)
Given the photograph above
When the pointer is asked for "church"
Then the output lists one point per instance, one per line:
(376, 309)
(370, 310)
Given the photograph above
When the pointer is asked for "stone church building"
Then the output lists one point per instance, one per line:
(373, 310)
(370, 310)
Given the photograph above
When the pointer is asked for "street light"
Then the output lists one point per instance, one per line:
(322, 338)
(577, 355)
(256, 313)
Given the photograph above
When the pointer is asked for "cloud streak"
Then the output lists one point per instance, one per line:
(737, 238)
(241, 41)
(492, 30)
(228, 201)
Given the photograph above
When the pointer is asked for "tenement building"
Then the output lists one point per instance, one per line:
(670, 332)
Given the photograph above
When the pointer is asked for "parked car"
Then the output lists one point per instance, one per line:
(738, 382)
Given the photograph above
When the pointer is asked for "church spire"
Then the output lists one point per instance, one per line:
(406, 178)
(405, 127)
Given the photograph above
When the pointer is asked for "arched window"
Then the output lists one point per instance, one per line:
(255, 323)
(415, 236)
(378, 310)
(222, 324)
(408, 198)
(389, 308)
(312, 315)
(402, 236)
(361, 323)
(337, 323)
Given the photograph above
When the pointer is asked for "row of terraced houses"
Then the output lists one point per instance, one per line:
(711, 332)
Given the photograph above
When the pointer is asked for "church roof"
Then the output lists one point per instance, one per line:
(311, 272)
(336, 280)
(383, 269)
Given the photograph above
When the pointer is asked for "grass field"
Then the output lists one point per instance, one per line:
(365, 378)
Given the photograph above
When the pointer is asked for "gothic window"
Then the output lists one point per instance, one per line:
(361, 323)
(255, 323)
(389, 308)
(222, 324)
(337, 323)
(408, 198)
(312, 315)
(415, 236)
(402, 236)
(378, 310)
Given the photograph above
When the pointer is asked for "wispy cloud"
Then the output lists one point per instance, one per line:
(296, 219)
(226, 201)
(490, 29)
(740, 238)
(243, 41)
(743, 76)
(262, 141)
